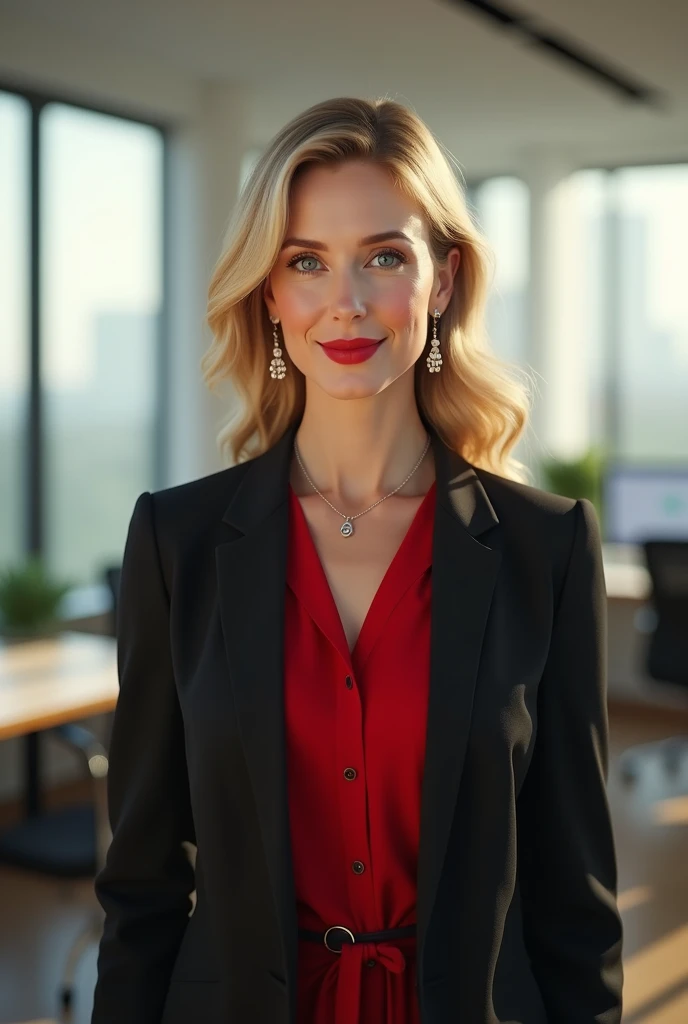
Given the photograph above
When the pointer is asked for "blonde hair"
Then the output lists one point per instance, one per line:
(476, 403)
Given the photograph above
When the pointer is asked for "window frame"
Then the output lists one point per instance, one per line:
(32, 428)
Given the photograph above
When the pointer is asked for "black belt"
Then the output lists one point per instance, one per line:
(344, 935)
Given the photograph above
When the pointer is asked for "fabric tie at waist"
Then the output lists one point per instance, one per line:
(365, 946)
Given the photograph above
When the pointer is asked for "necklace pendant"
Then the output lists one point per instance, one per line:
(347, 528)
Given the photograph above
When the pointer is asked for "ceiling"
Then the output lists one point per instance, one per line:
(492, 98)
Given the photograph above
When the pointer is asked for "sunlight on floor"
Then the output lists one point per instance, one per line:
(656, 981)
(673, 811)
(631, 898)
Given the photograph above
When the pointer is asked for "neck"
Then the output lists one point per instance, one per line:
(357, 451)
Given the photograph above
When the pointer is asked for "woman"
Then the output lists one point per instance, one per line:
(363, 669)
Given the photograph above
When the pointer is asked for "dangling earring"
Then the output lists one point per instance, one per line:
(278, 368)
(434, 360)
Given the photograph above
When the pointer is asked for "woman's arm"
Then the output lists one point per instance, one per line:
(145, 885)
(566, 853)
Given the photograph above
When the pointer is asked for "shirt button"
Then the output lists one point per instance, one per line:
(350, 773)
(370, 963)
(349, 682)
(358, 867)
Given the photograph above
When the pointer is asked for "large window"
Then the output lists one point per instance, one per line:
(635, 229)
(102, 292)
(622, 297)
(78, 449)
(651, 206)
(15, 114)
(500, 207)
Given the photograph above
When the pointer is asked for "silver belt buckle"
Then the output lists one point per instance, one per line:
(338, 927)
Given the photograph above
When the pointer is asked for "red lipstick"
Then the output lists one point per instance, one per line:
(351, 350)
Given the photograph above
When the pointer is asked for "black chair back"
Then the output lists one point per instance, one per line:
(667, 654)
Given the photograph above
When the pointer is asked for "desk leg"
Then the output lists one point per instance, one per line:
(32, 765)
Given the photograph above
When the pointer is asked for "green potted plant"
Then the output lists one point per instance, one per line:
(29, 601)
(577, 478)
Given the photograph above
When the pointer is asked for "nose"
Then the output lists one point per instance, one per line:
(347, 299)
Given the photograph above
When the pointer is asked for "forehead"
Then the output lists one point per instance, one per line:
(351, 198)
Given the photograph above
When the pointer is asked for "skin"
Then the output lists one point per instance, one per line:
(361, 433)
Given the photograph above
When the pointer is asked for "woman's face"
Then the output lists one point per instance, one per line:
(330, 283)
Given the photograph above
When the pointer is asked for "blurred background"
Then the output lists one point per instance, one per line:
(126, 131)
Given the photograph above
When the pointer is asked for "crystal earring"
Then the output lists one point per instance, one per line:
(278, 368)
(434, 360)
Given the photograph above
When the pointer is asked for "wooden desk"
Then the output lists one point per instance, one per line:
(44, 684)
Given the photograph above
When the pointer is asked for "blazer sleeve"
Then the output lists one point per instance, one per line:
(147, 880)
(566, 853)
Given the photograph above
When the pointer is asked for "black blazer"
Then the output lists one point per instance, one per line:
(517, 918)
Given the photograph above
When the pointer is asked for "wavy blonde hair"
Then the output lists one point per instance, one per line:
(477, 403)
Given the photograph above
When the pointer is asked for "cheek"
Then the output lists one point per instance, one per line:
(400, 306)
(296, 304)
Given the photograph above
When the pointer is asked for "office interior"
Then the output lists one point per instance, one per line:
(126, 131)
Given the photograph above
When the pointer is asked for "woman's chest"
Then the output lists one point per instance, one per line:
(356, 566)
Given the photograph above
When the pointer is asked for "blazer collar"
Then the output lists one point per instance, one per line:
(264, 487)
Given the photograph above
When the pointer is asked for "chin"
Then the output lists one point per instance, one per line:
(349, 387)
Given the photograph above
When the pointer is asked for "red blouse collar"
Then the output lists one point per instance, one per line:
(307, 580)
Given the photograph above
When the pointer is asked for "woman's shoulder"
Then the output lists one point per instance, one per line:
(202, 496)
(189, 512)
(538, 518)
(515, 496)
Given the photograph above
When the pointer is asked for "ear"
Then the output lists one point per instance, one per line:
(268, 297)
(444, 283)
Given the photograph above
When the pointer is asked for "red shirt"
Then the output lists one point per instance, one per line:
(375, 723)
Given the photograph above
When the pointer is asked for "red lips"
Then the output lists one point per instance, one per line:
(347, 344)
(350, 351)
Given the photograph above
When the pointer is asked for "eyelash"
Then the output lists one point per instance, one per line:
(310, 255)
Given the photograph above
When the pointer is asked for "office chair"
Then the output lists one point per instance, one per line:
(96, 759)
(70, 843)
(88, 821)
(97, 762)
(667, 652)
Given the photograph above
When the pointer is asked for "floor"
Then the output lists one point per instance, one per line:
(40, 918)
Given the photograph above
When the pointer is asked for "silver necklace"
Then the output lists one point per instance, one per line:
(347, 527)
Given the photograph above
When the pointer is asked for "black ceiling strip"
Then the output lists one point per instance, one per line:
(623, 84)
(573, 54)
(499, 13)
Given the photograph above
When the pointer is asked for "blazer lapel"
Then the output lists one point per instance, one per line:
(251, 585)
(464, 573)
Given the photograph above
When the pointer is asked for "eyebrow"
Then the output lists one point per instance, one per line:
(382, 236)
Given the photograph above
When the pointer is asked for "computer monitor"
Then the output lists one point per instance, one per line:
(645, 503)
